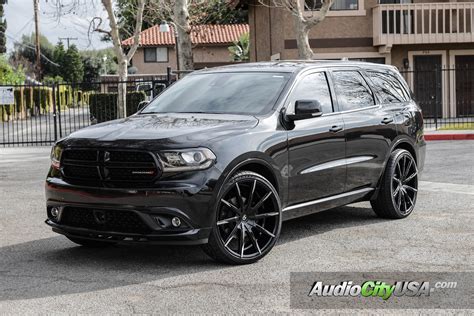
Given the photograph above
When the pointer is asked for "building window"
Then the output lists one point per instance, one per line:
(156, 54)
(338, 5)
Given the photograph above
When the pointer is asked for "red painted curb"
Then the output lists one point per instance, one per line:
(449, 136)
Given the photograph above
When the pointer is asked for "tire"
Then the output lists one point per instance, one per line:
(89, 243)
(248, 220)
(398, 188)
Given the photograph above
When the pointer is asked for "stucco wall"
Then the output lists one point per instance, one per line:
(202, 56)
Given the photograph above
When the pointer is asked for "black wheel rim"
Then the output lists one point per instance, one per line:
(405, 184)
(248, 218)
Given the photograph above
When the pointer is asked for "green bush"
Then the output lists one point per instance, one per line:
(28, 97)
(6, 111)
(103, 106)
(18, 99)
(43, 98)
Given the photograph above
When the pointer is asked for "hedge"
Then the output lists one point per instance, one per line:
(103, 106)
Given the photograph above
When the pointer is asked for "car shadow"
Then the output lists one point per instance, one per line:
(55, 266)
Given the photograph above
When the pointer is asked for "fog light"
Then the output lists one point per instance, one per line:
(55, 212)
(176, 222)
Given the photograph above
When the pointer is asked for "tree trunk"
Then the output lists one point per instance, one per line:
(181, 16)
(123, 59)
(122, 89)
(302, 41)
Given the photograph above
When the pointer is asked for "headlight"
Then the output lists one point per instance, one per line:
(56, 153)
(186, 159)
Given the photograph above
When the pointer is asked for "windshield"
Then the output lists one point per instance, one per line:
(230, 93)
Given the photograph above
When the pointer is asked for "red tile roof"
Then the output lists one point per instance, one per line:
(200, 34)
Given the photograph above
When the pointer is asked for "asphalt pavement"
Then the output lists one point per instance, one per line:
(41, 272)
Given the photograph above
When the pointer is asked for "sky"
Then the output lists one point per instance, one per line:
(73, 21)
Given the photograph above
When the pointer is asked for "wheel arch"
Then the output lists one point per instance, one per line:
(401, 143)
(258, 163)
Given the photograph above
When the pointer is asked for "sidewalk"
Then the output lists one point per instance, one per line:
(449, 134)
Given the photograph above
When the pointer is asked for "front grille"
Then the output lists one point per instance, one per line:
(104, 220)
(109, 168)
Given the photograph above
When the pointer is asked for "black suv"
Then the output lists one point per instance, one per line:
(225, 155)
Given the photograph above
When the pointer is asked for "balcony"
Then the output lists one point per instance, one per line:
(423, 23)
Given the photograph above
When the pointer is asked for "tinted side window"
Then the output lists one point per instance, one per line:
(387, 87)
(314, 87)
(352, 91)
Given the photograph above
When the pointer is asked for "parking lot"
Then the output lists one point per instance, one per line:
(41, 272)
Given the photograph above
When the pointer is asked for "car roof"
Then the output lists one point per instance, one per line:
(293, 66)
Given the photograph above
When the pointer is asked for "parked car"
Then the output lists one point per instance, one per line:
(150, 88)
(225, 155)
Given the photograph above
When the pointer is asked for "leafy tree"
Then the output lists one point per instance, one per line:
(9, 75)
(24, 53)
(73, 67)
(97, 57)
(59, 55)
(241, 48)
(92, 69)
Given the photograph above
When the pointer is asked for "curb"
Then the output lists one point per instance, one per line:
(430, 137)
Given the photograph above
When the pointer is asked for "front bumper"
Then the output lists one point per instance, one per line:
(151, 208)
(190, 237)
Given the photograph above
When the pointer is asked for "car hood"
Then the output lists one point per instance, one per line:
(176, 128)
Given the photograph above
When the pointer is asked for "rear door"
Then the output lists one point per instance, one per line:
(369, 128)
(316, 145)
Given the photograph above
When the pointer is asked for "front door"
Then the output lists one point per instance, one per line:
(464, 85)
(427, 84)
(316, 145)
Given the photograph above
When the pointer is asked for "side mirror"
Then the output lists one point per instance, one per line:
(142, 105)
(305, 109)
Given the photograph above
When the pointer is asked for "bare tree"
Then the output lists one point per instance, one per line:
(181, 19)
(178, 12)
(67, 7)
(123, 57)
(303, 21)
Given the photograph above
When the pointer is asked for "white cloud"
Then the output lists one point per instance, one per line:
(72, 23)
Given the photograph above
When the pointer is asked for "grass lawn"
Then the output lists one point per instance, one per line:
(457, 126)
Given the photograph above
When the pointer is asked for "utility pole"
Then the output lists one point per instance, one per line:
(37, 35)
(68, 39)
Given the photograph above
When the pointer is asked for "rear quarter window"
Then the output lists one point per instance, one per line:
(388, 87)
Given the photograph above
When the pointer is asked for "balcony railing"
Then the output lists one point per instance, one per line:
(423, 23)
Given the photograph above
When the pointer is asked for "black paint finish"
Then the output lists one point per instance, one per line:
(281, 150)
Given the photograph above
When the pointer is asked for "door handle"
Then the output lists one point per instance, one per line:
(387, 120)
(336, 128)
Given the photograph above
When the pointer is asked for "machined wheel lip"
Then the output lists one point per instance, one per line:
(250, 219)
(405, 175)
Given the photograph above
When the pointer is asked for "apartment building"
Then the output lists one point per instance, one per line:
(432, 43)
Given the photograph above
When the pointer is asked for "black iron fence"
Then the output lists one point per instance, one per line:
(446, 95)
(40, 114)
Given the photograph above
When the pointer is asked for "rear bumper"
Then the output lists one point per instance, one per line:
(191, 203)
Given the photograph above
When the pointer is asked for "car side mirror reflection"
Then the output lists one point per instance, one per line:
(142, 105)
(305, 109)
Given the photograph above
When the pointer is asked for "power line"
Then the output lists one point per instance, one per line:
(68, 39)
(30, 46)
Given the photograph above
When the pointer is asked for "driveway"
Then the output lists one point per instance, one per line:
(41, 272)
